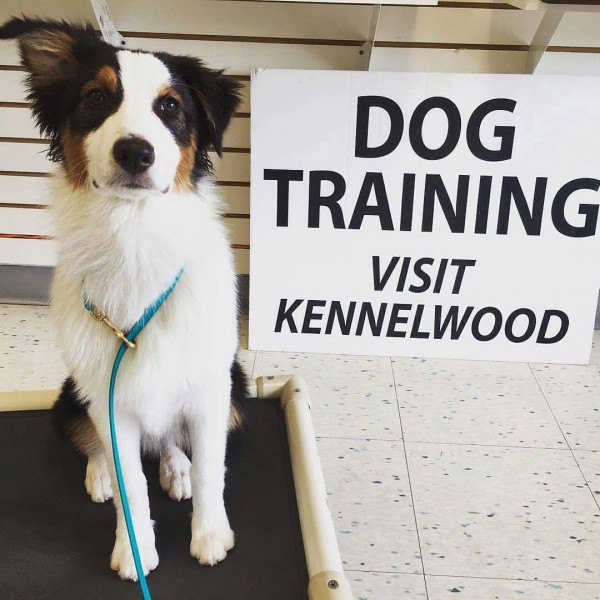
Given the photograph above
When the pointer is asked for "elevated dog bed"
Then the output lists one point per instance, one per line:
(56, 542)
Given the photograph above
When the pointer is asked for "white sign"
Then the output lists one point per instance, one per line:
(432, 215)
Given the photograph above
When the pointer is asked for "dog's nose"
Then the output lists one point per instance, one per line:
(133, 154)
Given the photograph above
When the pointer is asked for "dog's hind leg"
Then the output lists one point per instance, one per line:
(71, 419)
(175, 472)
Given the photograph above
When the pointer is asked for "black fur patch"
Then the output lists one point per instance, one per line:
(239, 386)
(69, 409)
(85, 117)
(239, 393)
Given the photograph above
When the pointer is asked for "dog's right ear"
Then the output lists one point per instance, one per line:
(51, 52)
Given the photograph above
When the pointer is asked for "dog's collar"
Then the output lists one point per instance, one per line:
(128, 337)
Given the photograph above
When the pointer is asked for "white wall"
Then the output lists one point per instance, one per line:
(242, 35)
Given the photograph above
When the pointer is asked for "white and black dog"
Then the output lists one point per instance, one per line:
(134, 203)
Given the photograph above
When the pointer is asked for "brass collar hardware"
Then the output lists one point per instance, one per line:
(100, 316)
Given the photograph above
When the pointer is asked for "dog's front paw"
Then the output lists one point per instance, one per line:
(97, 479)
(211, 547)
(122, 557)
(175, 476)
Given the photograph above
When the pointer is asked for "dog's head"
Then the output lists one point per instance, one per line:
(126, 123)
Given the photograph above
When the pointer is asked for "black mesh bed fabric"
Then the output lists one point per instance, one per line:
(56, 543)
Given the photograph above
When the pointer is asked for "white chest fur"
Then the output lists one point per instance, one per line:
(123, 255)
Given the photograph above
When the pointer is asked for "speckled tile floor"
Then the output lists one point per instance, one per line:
(447, 479)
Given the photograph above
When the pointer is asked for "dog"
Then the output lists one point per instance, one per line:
(134, 203)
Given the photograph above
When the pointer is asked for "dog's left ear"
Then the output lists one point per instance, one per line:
(217, 94)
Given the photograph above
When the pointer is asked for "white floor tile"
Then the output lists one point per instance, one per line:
(573, 392)
(386, 586)
(29, 356)
(352, 396)
(246, 359)
(464, 588)
(473, 402)
(589, 462)
(504, 512)
(369, 498)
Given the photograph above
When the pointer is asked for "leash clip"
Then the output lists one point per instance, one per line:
(100, 316)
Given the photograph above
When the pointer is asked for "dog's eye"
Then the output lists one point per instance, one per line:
(169, 104)
(95, 97)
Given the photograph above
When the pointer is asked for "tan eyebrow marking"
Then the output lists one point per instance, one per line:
(168, 90)
(106, 78)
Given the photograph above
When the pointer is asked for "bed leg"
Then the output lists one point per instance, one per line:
(329, 585)
(325, 572)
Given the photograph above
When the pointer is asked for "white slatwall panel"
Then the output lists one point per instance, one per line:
(24, 157)
(23, 190)
(236, 199)
(569, 63)
(9, 54)
(578, 29)
(36, 253)
(457, 25)
(27, 221)
(11, 87)
(240, 36)
(241, 58)
(448, 61)
(18, 122)
(220, 18)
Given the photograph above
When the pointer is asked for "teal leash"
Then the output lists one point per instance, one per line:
(128, 341)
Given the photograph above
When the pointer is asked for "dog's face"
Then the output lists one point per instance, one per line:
(122, 122)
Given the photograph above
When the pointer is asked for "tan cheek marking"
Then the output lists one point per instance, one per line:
(183, 176)
(75, 158)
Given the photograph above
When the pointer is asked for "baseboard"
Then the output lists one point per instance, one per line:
(25, 285)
